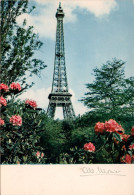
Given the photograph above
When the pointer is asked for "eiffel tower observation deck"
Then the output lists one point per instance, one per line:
(60, 96)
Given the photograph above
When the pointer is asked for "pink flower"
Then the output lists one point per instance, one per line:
(16, 120)
(132, 131)
(31, 103)
(113, 126)
(42, 155)
(99, 127)
(125, 137)
(126, 159)
(89, 147)
(2, 122)
(4, 87)
(3, 101)
(38, 154)
(15, 86)
(132, 157)
(131, 147)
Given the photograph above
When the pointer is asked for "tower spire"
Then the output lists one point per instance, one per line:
(59, 96)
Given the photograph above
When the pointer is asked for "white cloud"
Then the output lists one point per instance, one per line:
(41, 97)
(45, 21)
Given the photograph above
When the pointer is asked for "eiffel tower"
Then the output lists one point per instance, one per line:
(60, 96)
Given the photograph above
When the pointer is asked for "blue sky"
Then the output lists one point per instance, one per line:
(95, 31)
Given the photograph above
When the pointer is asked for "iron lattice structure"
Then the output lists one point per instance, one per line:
(60, 96)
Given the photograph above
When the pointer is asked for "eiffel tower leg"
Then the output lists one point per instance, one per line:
(51, 110)
(68, 111)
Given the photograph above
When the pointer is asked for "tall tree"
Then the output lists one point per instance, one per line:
(18, 45)
(107, 94)
(129, 96)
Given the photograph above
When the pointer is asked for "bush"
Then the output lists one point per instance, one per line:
(21, 127)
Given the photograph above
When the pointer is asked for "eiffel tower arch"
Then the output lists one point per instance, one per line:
(60, 96)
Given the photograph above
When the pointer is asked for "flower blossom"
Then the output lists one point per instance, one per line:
(99, 127)
(42, 155)
(4, 87)
(3, 101)
(89, 147)
(126, 159)
(132, 131)
(16, 120)
(109, 126)
(131, 147)
(31, 103)
(125, 137)
(113, 126)
(15, 86)
(2, 122)
(38, 154)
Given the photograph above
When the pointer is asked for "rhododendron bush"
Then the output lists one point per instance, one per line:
(20, 127)
(116, 144)
(109, 144)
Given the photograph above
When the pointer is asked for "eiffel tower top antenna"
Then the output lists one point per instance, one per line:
(59, 96)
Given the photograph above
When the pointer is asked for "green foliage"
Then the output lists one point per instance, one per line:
(19, 143)
(108, 94)
(52, 140)
(18, 45)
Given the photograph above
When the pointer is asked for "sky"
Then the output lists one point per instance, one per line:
(95, 31)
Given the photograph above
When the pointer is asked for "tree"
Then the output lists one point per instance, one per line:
(18, 45)
(109, 92)
(129, 95)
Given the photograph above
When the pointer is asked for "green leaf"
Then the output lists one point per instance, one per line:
(117, 136)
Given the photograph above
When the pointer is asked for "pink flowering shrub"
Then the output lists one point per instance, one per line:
(117, 142)
(113, 126)
(16, 120)
(131, 147)
(126, 159)
(38, 154)
(108, 126)
(89, 147)
(15, 86)
(4, 87)
(42, 155)
(2, 122)
(3, 101)
(19, 140)
(99, 127)
(31, 103)
(111, 144)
